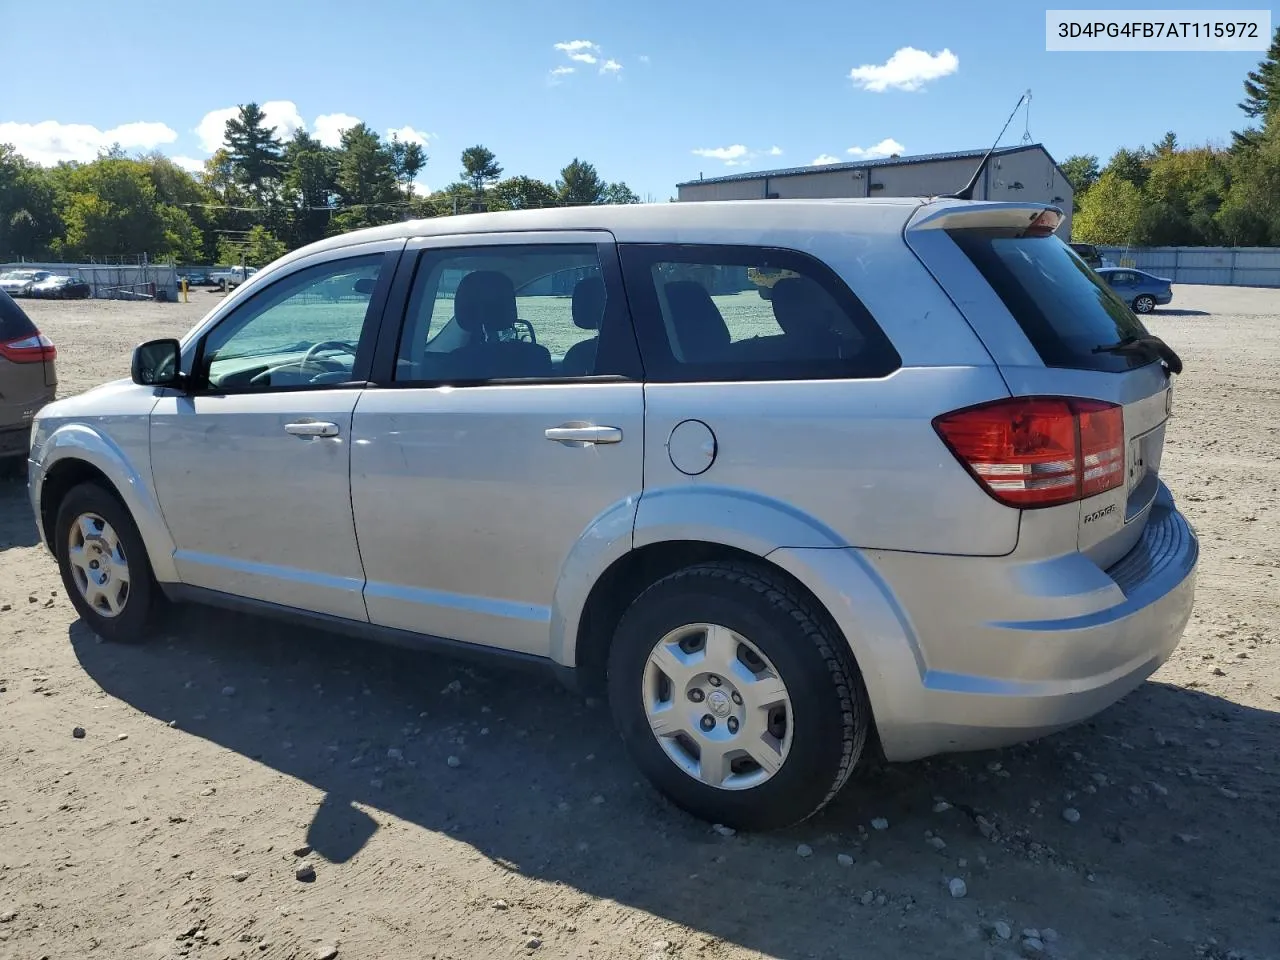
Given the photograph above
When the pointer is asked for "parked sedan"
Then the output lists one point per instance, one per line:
(1142, 291)
(18, 283)
(59, 287)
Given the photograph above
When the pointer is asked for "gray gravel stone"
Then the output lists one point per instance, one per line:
(941, 806)
(395, 753)
(1049, 935)
(78, 732)
(957, 887)
(533, 943)
(804, 850)
(327, 953)
(240, 876)
(499, 905)
(306, 873)
(937, 843)
(454, 762)
(1071, 815)
(879, 823)
(302, 851)
(724, 831)
(1002, 930)
(1032, 947)
(8, 916)
(868, 898)
(844, 860)
(1030, 933)
(228, 691)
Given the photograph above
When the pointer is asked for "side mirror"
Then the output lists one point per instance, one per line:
(156, 363)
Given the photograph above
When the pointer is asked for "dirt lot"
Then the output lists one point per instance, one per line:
(212, 756)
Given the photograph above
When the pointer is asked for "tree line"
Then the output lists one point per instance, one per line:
(257, 197)
(1166, 195)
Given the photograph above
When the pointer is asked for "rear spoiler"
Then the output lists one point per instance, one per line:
(950, 214)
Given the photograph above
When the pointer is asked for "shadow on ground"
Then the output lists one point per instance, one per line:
(544, 789)
(1174, 312)
(17, 525)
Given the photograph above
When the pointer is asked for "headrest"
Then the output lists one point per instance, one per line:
(699, 327)
(485, 302)
(801, 306)
(588, 303)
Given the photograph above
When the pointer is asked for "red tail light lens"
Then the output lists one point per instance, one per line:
(1039, 451)
(33, 349)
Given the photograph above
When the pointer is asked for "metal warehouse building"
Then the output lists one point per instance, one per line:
(1025, 172)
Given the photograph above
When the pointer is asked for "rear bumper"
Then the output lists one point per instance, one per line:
(14, 441)
(962, 675)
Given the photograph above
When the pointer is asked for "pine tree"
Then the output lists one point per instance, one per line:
(1261, 95)
(255, 152)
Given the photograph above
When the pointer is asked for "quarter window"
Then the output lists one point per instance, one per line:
(749, 313)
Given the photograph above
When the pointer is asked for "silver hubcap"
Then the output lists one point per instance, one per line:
(98, 565)
(717, 706)
(1145, 304)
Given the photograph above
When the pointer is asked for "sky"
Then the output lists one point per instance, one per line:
(652, 93)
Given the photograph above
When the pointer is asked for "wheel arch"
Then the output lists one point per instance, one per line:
(76, 454)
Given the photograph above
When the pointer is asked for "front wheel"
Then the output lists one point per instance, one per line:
(734, 698)
(1144, 304)
(104, 565)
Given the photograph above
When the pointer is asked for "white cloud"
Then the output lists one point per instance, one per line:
(50, 142)
(775, 151)
(885, 148)
(728, 154)
(907, 69)
(561, 71)
(329, 127)
(584, 51)
(643, 58)
(407, 134)
(281, 114)
(824, 159)
(610, 66)
(190, 164)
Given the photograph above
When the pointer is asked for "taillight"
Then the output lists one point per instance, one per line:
(32, 349)
(1039, 451)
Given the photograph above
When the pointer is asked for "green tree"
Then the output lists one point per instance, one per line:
(580, 184)
(1250, 216)
(1109, 212)
(523, 193)
(479, 168)
(1166, 144)
(407, 160)
(310, 186)
(619, 193)
(29, 220)
(258, 248)
(1163, 225)
(1261, 96)
(111, 209)
(365, 181)
(255, 153)
(1130, 165)
(1082, 170)
(183, 240)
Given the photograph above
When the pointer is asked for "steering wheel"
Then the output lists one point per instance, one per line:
(523, 330)
(309, 359)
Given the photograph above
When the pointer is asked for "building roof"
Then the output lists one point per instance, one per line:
(864, 164)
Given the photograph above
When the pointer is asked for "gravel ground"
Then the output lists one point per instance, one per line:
(243, 789)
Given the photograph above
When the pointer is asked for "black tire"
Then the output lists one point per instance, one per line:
(831, 717)
(1144, 304)
(144, 603)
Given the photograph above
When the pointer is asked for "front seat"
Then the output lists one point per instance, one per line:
(485, 307)
(588, 313)
(700, 330)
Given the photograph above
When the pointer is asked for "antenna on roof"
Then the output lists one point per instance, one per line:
(967, 192)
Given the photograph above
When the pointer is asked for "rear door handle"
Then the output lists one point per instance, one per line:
(573, 434)
(312, 428)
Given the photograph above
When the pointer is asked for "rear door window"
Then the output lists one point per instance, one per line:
(1063, 307)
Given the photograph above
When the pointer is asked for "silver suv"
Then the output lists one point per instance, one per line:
(908, 502)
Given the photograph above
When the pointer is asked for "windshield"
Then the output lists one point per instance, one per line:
(1064, 308)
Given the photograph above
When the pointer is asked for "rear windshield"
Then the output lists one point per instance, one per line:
(1063, 307)
(14, 324)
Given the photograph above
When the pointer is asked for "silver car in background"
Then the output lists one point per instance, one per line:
(908, 504)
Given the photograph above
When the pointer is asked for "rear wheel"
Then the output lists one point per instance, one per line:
(734, 698)
(1144, 304)
(104, 565)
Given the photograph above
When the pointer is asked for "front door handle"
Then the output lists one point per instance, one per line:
(577, 435)
(312, 428)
